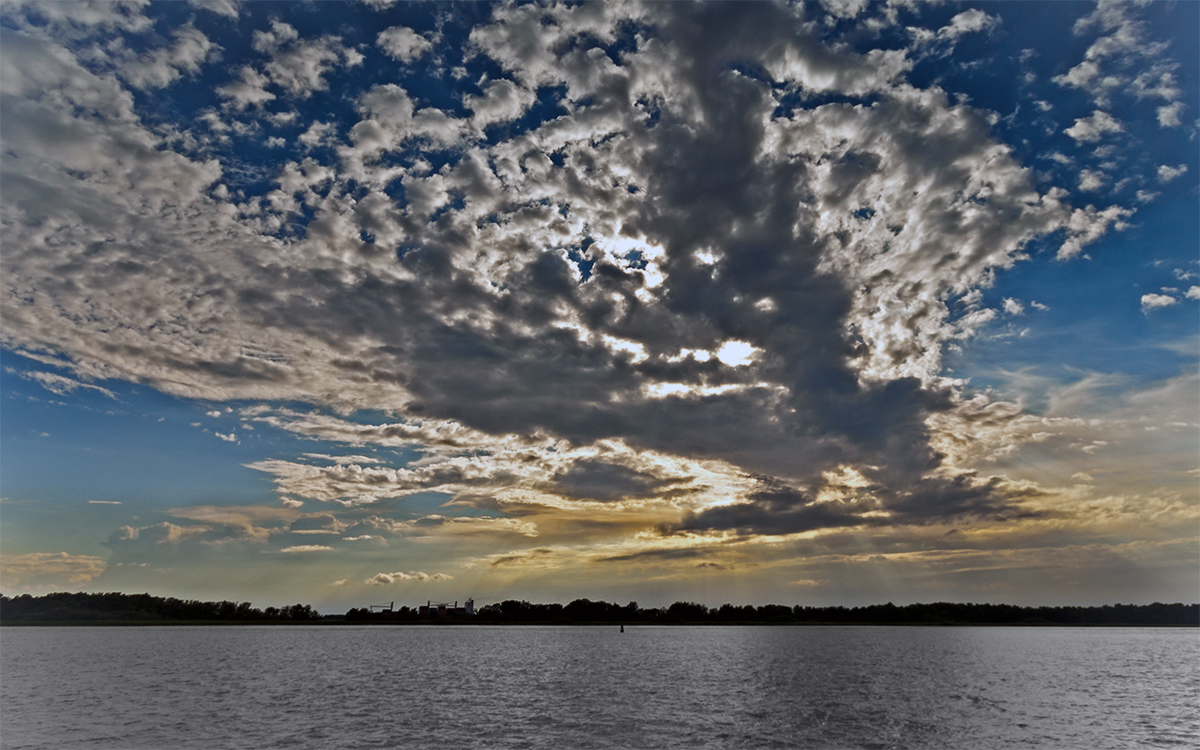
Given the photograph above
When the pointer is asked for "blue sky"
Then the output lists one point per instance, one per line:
(826, 302)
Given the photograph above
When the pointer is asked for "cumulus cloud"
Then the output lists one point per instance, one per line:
(163, 66)
(1121, 48)
(968, 22)
(502, 101)
(296, 65)
(1168, 173)
(1155, 301)
(403, 44)
(1170, 116)
(250, 90)
(1092, 129)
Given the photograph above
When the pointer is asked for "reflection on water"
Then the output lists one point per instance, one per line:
(593, 687)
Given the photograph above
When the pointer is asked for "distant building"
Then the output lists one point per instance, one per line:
(442, 609)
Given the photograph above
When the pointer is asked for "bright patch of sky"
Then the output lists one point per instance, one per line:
(627, 301)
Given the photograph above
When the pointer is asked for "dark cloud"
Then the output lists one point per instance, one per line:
(776, 508)
(593, 480)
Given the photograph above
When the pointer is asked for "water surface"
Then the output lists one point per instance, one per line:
(594, 687)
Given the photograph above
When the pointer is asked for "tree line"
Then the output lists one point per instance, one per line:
(114, 607)
(585, 611)
(143, 608)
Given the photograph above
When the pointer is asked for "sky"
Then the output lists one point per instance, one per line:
(819, 303)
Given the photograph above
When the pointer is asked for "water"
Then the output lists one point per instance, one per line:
(594, 687)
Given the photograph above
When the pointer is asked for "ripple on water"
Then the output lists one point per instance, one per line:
(550, 687)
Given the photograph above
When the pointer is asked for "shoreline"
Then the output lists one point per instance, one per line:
(457, 623)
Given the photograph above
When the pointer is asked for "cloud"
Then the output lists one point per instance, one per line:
(317, 524)
(968, 22)
(1091, 180)
(249, 91)
(1168, 173)
(1013, 307)
(227, 8)
(48, 570)
(403, 44)
(1155, 301)
(502, 101)
(299, 65)
(1122, 47)
(1169, 116)
(62, 385)
(383, 579)
(300, 548)
(1092, 129)
(1193, 292)
(161, 67)
(723, 263)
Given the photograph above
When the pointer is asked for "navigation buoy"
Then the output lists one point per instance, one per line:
(622, 627)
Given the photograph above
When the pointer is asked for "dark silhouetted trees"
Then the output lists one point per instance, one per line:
(114, 607)
(118, 608)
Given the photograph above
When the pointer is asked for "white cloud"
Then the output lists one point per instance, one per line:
(403, 44)
(1013, 307)
(249, 91)
(968, 22)
(1091, 180)
(502, 101)
(1168, 173)
(1092, 129)
(307, 548)
(227, 8)
(299, 65)
(1193, 293)
(1154, 301)
(1089, 224)
(62, 385)
(1170, 116)
(161, 67)
(319, 134)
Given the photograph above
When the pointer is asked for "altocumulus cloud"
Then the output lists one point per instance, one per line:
(693, 258)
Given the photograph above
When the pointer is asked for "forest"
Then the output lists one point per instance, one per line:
(117, 609)
(585, 611)
(114, 608)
